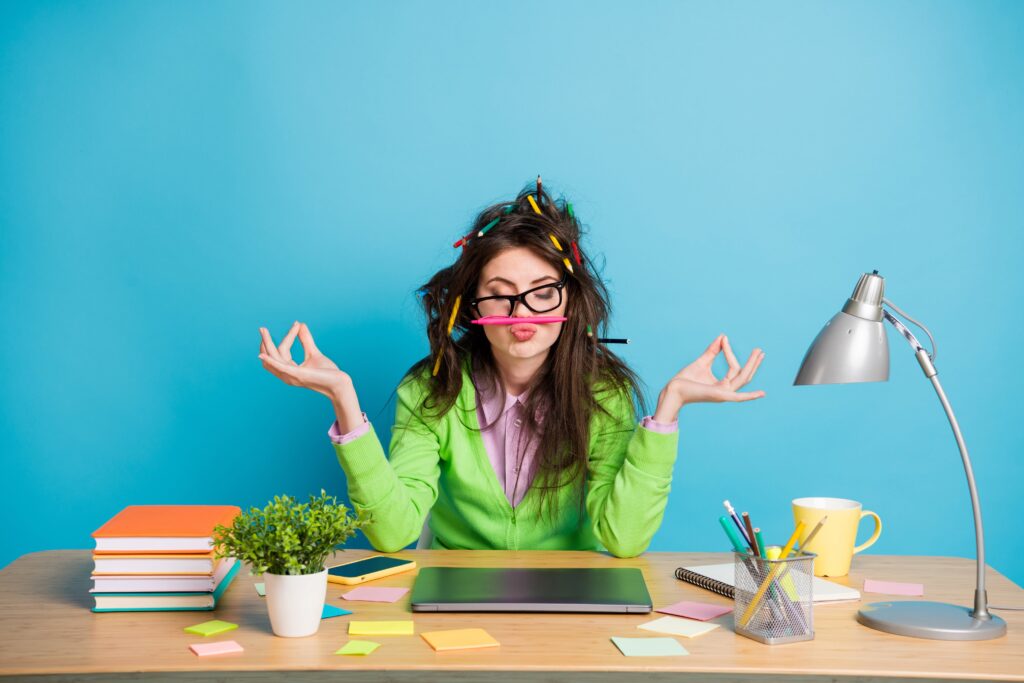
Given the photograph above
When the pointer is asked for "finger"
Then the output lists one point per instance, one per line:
(757, 365)
(734, 365)
(713, 348)
(285, 349)
(268, 342)
(306, 337)
(290, 374)
(748, 370)
(740, 396)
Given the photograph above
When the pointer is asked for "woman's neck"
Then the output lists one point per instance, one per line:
(517, 374)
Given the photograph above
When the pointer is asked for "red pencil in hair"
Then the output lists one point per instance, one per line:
(576, 253)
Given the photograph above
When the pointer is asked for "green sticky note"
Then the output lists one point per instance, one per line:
(649, 647)
(211, 628)
(358, 647)
(261, 588)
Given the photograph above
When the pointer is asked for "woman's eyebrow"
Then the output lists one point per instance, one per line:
(537, 281)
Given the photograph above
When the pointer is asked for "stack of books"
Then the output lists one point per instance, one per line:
(160, 557)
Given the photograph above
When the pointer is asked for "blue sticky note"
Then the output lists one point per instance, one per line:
(332, 611)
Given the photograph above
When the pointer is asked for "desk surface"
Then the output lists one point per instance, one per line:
(48, 629)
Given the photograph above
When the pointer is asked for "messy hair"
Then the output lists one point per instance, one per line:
(564, 392)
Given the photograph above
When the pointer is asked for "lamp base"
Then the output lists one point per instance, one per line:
(935, 620)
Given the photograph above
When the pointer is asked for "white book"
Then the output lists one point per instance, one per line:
(158, 565)
(162, 583)
(824, 591)
(153, 544)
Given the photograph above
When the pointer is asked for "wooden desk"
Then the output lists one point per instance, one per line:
(49, 630)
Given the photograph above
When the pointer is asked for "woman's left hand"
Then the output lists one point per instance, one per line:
(697, 384)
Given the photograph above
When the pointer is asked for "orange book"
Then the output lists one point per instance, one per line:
(163, 528)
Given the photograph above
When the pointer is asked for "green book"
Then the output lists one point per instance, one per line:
(163, 602)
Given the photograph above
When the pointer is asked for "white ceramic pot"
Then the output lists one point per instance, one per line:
(295, 603)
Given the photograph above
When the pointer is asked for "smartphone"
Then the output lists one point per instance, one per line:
(368, 569)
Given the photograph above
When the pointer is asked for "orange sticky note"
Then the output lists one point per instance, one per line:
(459, 639)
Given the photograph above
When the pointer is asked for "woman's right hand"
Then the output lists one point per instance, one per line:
(317, 371)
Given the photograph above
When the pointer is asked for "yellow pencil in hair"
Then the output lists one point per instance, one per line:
(533, 203)
(568, 265)
(455, 313)
(554, 240)
(437, 364)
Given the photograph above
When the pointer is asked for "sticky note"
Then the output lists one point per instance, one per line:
(459, 639)
(649, 647)
(893, 587)
(375, 594)
(222, 647)
(261, 589)
(701, 611)
(678, 627)
(332, 611)
(211, 628)
(358, 647)
(380, 628)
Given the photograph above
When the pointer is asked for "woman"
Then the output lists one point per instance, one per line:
(520, 435)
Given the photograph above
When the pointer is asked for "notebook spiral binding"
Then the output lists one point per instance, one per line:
(713, 585)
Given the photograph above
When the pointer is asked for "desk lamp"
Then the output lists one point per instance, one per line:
(852, 347)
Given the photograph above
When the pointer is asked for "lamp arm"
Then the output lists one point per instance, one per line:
(980, 595)
(905, 331)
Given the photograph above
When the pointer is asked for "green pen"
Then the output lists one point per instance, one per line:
(760, 543)
(731, 533)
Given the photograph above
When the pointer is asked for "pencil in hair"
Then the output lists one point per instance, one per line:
(568, 208)
(488, 227)
(455, 313)
(568, 265)
(539, 195)
(611, 340)
(576, 253)
(533, 203)
(554, 240)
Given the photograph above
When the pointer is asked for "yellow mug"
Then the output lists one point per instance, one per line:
(834, 542)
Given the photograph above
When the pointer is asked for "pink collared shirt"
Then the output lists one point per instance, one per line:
(509, 448)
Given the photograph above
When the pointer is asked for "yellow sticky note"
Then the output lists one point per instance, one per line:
(211, 628)
(358, 647)
(380, 628)
(459, 639)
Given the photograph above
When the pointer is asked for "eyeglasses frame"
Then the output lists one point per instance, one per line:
(514, 299)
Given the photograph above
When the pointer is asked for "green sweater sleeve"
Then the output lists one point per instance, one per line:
(397, 493)
(630, 474)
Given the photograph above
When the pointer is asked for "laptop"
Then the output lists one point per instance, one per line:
(481, 589)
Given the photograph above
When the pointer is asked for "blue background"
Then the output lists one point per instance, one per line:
(173, 176)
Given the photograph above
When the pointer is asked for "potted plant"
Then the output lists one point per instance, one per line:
(288, 543)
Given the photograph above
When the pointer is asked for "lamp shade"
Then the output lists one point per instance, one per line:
(852, 347)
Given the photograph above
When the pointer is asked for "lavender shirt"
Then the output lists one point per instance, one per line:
(514, 463)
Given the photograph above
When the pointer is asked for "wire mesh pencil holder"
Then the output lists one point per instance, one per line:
(774, 598)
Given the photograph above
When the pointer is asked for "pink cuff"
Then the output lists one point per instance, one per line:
(660, 427)
(337, 437)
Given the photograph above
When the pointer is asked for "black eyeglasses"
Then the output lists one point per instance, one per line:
(539, 300)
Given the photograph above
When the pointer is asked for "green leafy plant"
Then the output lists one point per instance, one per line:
(287, 537)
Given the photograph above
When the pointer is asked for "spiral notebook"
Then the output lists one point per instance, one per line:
(721, 579)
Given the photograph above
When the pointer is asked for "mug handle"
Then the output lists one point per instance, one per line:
(874, 537)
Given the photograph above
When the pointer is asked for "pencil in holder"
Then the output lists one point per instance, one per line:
(774, 598)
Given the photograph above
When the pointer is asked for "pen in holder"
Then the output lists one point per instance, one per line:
(774, 598)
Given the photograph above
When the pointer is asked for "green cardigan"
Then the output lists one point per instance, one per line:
(440, 466)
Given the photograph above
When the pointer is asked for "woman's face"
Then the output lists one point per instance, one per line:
(513, 271)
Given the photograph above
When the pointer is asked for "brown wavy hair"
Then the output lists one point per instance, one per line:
(563, 391)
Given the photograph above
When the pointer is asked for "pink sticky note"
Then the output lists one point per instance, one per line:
(220, 648)
(893, 587)
(700, 611)
(375, 594)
